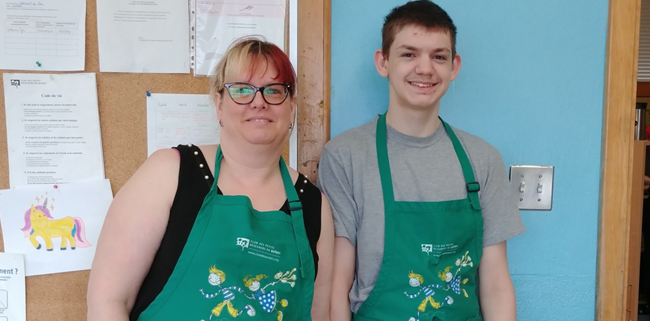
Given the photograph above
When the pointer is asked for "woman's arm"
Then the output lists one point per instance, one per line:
(497, 294)
(320, 310)
(131, 235)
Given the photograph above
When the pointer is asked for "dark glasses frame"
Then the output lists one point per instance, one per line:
(258, 89)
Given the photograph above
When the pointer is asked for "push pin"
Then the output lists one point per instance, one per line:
(56, 186)
(38, 64)
(148, 94)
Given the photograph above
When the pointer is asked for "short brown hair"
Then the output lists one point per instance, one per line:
(423, 13)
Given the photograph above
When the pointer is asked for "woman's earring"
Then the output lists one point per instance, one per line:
(291, 126)
(220, 122)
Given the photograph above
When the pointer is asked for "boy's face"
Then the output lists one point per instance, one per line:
(419, 67)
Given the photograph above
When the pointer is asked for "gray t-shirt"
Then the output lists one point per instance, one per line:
(423, 169)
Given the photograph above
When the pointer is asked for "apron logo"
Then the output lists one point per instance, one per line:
(243, 242)
(259, 249)
(438, 250)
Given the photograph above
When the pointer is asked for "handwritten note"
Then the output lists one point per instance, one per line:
(174, 119)
(143, 36)
(219, 22)
(43, 35)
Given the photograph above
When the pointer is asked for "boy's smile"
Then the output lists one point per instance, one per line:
(419, 67)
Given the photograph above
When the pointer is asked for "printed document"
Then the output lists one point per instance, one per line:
(53, 133)
(149, 36)
(56, 227)
(45, 35)
(12, 287)
(219, 22)
(174, 119)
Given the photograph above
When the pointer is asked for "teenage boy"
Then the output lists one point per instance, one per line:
(422, 210)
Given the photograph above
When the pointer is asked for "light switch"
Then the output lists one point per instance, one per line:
(540, 178)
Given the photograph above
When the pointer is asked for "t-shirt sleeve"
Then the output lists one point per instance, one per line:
(334, 181)
(501, 217)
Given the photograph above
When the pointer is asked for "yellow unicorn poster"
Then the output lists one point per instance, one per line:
(56, 227)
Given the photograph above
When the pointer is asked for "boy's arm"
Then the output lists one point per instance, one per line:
(497, 294)
(334, 181)
(344, 265)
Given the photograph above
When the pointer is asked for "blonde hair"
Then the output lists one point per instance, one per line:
(247, 54)
(443, 274)
(222, 276)
(416, 276)
(248, 280)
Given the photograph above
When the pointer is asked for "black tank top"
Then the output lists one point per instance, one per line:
(193, 187)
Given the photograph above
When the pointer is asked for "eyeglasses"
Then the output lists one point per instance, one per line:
(243, 93)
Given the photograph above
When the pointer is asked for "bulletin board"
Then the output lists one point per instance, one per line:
(122, 112)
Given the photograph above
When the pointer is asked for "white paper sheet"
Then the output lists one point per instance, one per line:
(143, 36)
(78, 209)
(53, 133)
(219, 22)
(12, 287)
(51, 33)
(174, 119)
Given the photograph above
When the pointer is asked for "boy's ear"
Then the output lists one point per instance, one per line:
(381, 63)
(455, 66)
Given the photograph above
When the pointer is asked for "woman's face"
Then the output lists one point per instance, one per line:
(258, 122)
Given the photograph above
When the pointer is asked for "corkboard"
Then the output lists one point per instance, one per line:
(122, 113)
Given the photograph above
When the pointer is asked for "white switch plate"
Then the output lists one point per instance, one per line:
(533, 186)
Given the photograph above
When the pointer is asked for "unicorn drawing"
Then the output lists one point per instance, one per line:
(39, 222)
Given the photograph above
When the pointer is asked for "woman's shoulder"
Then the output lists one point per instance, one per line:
(163, 159)
(295, 175)
(308, 191)
(208, 151)
(301, 180)
(199, 154)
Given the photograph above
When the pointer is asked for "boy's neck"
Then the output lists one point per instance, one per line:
(413, 122)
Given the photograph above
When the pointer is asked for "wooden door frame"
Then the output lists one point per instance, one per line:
(613, 277)
(314, 29)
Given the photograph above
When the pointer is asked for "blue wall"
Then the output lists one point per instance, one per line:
(531, 84)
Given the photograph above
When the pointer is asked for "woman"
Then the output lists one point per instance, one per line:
(221, 232)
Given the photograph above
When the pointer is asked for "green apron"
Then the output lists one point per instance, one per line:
(240, 263)
(431, 251)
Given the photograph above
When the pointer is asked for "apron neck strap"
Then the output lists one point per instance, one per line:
(217, 166)
(295, 207)
(383, 161)
(297, 220)
(471, 185)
